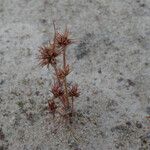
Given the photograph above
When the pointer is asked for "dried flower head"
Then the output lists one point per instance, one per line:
(74, 91)
(57, 90)
(62, 73)
(48, 55)
(62, 39)
(62, 101)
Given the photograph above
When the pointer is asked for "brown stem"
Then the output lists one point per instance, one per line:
(54, 33)
(61, 98)
(65, 80)
(56, 72)
(72, 100)
(64, 57)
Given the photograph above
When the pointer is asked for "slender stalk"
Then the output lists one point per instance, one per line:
(64, 57)
(61, 98)
(72, 100)
(54, 33)
(55, 68)
(65, 80)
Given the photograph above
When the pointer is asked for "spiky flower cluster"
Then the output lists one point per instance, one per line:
(62, 101)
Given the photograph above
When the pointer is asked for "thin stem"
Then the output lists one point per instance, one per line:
(65, 80)
(62, 97)
(56, 72)
(72, 100)
(55, 32)
(64, 57)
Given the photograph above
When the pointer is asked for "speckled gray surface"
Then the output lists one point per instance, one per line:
(111, 64)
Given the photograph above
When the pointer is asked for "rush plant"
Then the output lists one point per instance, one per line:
(62, 102)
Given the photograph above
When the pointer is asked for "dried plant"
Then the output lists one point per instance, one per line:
(62, 101)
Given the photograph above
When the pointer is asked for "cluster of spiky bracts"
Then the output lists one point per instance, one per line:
(62, 101)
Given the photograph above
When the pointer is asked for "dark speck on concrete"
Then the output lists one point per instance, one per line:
(72, 144)
(43, 21)
(119, 145)
(144, 140)
(1, 10)
(140, 39)
(120, 128)
(142, 5)
(2, 82)
(88, 99)
(138, 125)
(138, 1)
(99, 70)
(128, 123)
(37, 93)
(82, 49)
(130, 82)
(2, 147)
(1, 99)
(95, 102)
(108, 42)
(120, 79)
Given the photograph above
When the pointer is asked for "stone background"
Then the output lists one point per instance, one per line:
(111, 63)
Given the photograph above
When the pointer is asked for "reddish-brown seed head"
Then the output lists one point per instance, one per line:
(57, 90)
(63, 72)
(74, 91)
(48, 55)
(62, 39)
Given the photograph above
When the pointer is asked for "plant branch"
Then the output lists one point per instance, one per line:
(56, 72)
(72, 100)
(65, 80)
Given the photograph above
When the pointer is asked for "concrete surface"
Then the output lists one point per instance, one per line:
(111, 64)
